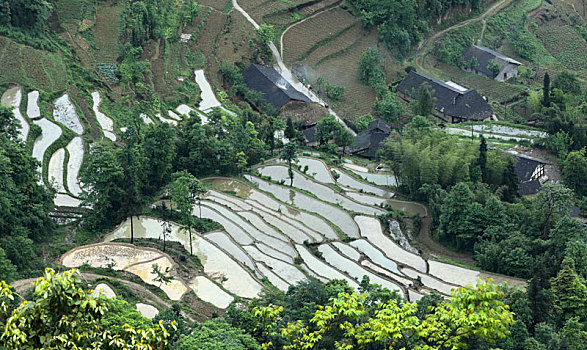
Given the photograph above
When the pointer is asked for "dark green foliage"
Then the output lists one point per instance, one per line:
(173, 314)
(216, 335)
(546, 91)
(370, 72)
(30, 15)
(454, 43)
(24, 204)
(402, 23)
(575, 171)
(424, 104)
(494, 68)
(290, 131)
(567, 82)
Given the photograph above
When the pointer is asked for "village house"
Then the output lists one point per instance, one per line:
(368, 142)
(479, 60)
(280, 94)
(530, 174)
(453, 104)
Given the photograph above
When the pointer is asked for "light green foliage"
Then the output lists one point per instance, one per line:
(326, 128)
(471, 313)
(121, 314)
(455, 42)
(370, 72)
(65, 316)
(216, 335)
(363, 122)
(263, 35)
(163, 276)
(343, 138)
(559, 144)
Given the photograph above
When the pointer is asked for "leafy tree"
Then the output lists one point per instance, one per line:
(567, 82)
(510, 182)
(264, 35)
(289, 154)
(325, 128)
(216, 335)
(7, 269)
(559, 144)
(425, 102)
(370, 72)
(494, 68)
(121, 315)
(363, 122)
(163, 276)
(158, 149)
(551, 203)
(482, 159)
(290, 131)
(546, 91)
(387, 107)
(573, 334)
(343, 138)
(27, 14)
(348, 323)
(575, 171)
(571, 294)
(133, 179)
(185, 191)
(63, 315)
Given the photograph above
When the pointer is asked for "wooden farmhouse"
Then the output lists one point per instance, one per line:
(454, 103)
(280, 94)
(478, 59)
(368, 142)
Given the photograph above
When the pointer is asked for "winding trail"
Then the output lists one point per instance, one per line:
(423, 49)
(286, 73)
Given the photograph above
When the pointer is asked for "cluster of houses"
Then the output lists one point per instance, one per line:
(452, 103)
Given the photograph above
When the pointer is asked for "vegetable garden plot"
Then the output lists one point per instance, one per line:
(33, 111)
(325, 193)
(12, 98)
(299, 39)
(49, 134)
(355, 270)
(208, 291)
(64, 112)
(303, 201)
(342, 40)
(76, 157)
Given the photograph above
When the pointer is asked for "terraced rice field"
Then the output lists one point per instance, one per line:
(12, 98)
(282, 235)
(105, 122)
(65, 113)
(50, 133)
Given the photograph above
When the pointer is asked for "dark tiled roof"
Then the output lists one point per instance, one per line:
(310, 134)
(367, 142)
(275, 89)
(525, 167)
(483, 56)
(529, 187)
(449, 100)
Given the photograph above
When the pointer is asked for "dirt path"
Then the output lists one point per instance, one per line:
(424, 48)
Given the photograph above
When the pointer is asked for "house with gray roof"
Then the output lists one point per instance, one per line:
(529, 172)
(453, 103)
(478, 59)
(368, 142)
(275, 89)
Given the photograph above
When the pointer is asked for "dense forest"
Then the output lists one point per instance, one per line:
(468, 186)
